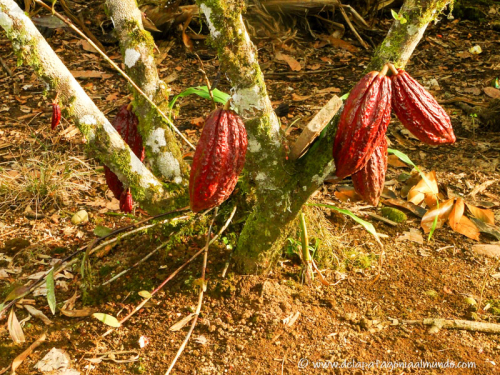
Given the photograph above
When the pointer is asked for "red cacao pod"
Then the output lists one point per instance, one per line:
(125, 123)
(369, 181)
(56, 115)
(218, 160)
(419, 112)
(126, 201)
(363, 123)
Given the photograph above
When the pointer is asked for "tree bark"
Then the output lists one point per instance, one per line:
(163, 151)
(265, 231)
(101, 137)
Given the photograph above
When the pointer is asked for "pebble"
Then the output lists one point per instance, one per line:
(80, 218)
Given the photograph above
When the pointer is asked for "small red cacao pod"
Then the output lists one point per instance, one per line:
(369, 181)
(56, 115)
(126, 202)
(218, 160)
(419, 112)
(126, 123)
(114, 184)
(363, 123)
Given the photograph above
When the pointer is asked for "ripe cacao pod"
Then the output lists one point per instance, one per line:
(126, 201)
(125, 123)
(363, 123)
(56, 115)
(369, 181)
(419, 112)
(218, 160)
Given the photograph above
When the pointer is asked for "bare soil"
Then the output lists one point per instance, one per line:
(244, 327)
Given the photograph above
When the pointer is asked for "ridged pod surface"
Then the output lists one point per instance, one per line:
(363, 123)
(369, 181)
(125, 123)
(218, 160)
(126, 201)
(56, 115)
(419, 112)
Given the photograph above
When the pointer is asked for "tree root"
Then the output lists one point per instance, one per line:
(468, 325)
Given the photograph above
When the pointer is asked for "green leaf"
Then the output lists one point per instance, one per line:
(398, 17)
(18, 292)
(51, 291)
(107, 319)
(101, 231)
(345, 96)
(403, 157)
(368, 226)
(219, 96)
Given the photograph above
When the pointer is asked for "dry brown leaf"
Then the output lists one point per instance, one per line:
(87, 311)
(484, 215)
(338, 43)
(425, 187)
(181, 323)
(488, 250)
(90, 74)
(492, 92)
(456, 213)
(185, 38)
(21, 357)
(442, 214)
(298, 98)
(15, 330)
(87, 46)
(38, 314)
(347, 196)
(467, 228)
(395, 162)
(292, 63)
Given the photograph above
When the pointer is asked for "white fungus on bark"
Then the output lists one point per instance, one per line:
(156, 140)
(208, 12)
(131, 57)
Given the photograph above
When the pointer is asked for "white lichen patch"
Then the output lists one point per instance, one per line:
(253, 145)
(412, 29)
(248, 101)
(208, 12)
(156, 140)
(317, 179)
(264, 181)
(88, 120)
(5, 22)
(169, 167)
(146, 178)
(131, 57)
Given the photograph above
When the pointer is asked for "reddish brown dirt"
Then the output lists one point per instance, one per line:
(242, 328)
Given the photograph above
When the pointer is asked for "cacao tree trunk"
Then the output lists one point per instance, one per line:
(163, 151)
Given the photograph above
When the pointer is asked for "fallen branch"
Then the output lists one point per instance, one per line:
(468, 325)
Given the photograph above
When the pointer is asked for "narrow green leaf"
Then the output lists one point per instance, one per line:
(219, 96)
(345, 96)
(398, 17)
(51, 291)
(368, 226)
(434, 224)
(107, 319)
(101, 231)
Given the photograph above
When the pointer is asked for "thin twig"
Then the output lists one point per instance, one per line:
(172, 275)
(353, 29)
(203, 288)
(112, 63)
(5, 67)
(207, 81)
(143, 259)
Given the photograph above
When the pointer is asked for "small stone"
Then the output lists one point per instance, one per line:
(80, 218)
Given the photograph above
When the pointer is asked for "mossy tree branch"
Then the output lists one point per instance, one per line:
(101, 137)
(267, 227)
(163, 151)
